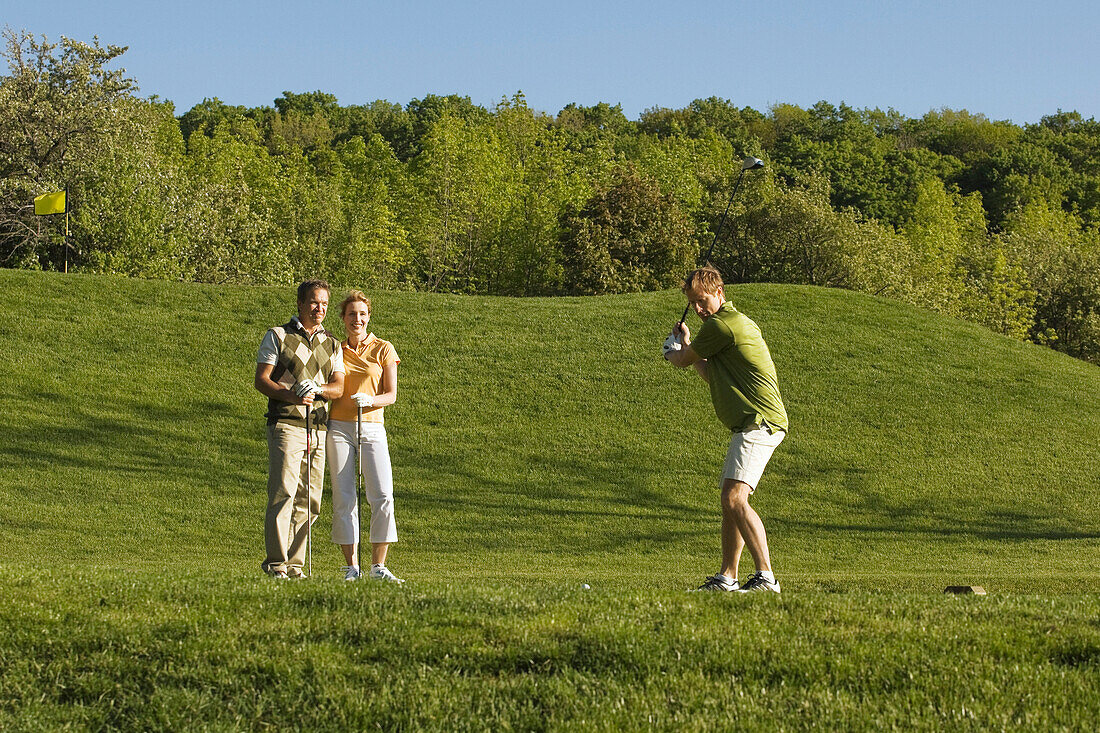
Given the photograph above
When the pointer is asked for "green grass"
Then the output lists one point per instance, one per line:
(539, 444)
(196, 651)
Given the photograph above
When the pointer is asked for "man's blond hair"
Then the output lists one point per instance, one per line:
(707, 279)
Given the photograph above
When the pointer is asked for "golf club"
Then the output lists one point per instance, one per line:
(309, 501)
(360, 492)
(748, 164)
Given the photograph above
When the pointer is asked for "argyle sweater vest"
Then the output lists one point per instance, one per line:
(301, 357)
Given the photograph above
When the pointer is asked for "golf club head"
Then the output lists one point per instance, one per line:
(750, 163)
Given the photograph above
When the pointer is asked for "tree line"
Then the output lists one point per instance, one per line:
(988, 221)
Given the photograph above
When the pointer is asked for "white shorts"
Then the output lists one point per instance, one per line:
(749, 453)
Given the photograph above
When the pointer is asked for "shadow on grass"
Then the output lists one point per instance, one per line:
(557, 504)
(870, 511)
(139, 440)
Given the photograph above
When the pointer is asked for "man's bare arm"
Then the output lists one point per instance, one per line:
(334, 389)
(686, 357)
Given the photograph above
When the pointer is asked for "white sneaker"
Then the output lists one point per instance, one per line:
(381, 572)
(757, 582)
(351, 572)
(718, 583)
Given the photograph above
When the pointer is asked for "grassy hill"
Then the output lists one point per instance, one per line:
(539, 444)
(544, 436)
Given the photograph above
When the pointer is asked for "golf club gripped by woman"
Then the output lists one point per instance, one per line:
(370, 385)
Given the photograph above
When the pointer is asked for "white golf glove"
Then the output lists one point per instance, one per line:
(306, 386)
(672, 343)
(362, 399)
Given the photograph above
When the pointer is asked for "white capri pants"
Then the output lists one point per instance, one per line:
(377, 480)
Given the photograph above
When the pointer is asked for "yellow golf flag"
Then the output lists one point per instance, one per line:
(49, 203)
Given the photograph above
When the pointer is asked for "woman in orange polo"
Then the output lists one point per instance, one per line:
(370, 384)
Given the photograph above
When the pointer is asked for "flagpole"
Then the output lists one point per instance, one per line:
(66, 240)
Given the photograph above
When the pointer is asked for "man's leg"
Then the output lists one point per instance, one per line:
(735, 507)
(299, 526)
(732, 542)
(284, 452)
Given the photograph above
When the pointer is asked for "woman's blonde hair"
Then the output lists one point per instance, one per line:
(354, 296)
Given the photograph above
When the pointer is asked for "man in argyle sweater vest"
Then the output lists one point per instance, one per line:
(298, 368)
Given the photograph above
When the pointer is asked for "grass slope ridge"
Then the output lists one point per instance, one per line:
(547, 435)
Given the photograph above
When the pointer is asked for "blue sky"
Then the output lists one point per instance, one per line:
(1008, 60)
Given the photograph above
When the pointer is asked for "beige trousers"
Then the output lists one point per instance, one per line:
(285, 524)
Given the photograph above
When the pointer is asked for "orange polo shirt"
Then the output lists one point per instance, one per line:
(363, 373)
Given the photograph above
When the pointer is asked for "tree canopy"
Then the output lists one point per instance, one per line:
(985, 220)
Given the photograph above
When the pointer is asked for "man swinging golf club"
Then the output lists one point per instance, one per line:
(729, 353)
(299, 365)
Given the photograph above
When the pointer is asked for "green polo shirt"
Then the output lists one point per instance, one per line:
(743, 384)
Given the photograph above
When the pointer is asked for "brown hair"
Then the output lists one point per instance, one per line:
(306, 289)
(354, 296)
(706, 278)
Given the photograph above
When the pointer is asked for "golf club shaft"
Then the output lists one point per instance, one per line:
(309, 498)
(717, 232)
(359, 493)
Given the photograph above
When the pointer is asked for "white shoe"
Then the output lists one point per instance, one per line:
(381, 572)
(757, 582)
(718, 583)
(351, 572)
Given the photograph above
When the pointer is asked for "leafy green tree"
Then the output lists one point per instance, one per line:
(793, 235)
(856, 151)
(370, 247)
(539, 181)
(970, 137)
(628, 238)
(235, 204)
(998, 294)
(303, 122)
(664, 123)
(56, 100)
(423, 114)
(1062, 263)
(204, 117)
(598, 130)
(388, 119)
(130, 196)
(741, 128)
(935, 232)
(687, 168)
(308, 104)
(955, 267)
(458, 210)
(299, 131)
(1015, 176)
(1076, 141)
